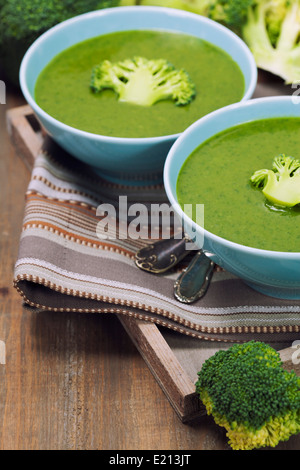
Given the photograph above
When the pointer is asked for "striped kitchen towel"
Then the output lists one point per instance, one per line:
(65, 266)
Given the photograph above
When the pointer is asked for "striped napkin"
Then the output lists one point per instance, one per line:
(64, 266)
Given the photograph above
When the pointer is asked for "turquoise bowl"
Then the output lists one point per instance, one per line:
(123, 160)
(273, 273)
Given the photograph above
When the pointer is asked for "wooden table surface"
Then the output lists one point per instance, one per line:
(76, 381)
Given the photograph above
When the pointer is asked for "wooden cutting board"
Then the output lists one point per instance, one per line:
(172, 358)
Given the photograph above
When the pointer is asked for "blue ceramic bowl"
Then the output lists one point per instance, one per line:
(124, 160)
(273, 273)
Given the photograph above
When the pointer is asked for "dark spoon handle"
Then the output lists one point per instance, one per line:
(161, 256)
(194, 281)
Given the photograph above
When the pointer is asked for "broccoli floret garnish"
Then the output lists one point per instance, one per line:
(281, 185)
(143, 82)
(247, 391)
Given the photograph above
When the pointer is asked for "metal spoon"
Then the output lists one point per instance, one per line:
(161, 256)
(193, 282)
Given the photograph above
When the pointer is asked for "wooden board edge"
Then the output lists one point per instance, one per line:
(169, 373)
(25, 138)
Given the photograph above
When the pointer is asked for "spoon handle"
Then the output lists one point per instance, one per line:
(194, 281)
(161, 256)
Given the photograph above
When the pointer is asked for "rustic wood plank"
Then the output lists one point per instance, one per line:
(25, 133)
(169, 373)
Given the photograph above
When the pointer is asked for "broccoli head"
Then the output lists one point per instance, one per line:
(247, 391)
(275, 13)
(232, 13)
(281, 185)
(22, 22)
(272, 33)
(143, 82)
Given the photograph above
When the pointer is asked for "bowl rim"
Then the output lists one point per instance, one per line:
(118, 11)
(172, 156)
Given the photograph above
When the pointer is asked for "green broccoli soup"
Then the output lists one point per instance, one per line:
(219, 173)
(64, 90)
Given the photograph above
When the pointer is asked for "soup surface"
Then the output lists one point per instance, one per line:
(63, 90)
(217, 174)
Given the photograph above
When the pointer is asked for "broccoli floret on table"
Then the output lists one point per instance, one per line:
(143, 82)
(247, 391)
(281, 185)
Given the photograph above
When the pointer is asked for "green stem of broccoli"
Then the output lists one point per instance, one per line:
(139, 89)
(281, 186)
(283, 58)
(290, 29)
(256, 35)
(284, 192)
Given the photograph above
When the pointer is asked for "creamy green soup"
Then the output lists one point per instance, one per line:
(217, 174)
(63, 90)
